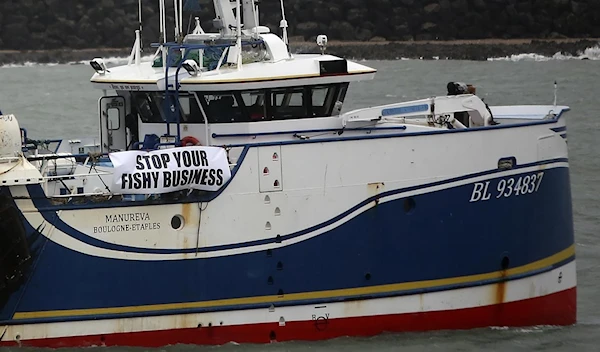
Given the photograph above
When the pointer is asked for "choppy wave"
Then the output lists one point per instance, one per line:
(532, 329)
(592, 53)
(114, 61)
(28, 64)
(110, 62)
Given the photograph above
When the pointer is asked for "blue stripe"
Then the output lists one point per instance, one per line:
(564, 136)
(338, 130)
(289, 303)
(559, 129)
(54, 219)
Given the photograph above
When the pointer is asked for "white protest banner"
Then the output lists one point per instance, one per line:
(169, 170)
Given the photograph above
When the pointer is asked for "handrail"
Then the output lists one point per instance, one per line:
(50, 178)
(216, 135)
(41, 157)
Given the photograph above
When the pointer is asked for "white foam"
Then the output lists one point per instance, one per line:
(28, 64)
(528, 330)
(592, 53)
(110, 62)
(114, 61)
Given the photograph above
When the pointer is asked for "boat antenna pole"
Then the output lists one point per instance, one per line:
(238, 43)
(555, 92)
(284, 25)
(163, 32)
(140, 20)
(175, 2)
(256, 18)
(180, 21)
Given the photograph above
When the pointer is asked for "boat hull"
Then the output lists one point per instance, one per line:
(373, 234)
(545, 299)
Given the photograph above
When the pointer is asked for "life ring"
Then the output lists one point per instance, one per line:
(189, 141)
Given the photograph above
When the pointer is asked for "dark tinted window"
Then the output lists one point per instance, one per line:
(245, 106)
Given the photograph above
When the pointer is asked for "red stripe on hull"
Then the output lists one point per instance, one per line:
(556, 309)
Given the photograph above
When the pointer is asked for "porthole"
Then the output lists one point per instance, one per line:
(177, 222)
(409, 205)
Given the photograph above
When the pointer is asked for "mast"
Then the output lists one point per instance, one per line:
(250, 15)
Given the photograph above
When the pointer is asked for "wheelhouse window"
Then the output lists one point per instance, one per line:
(224, 108)
(190, 111)
(255, 104)
(149, 106)
(289, 103)
(152, 107)
(242, 106)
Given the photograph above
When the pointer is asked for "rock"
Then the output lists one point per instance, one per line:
(364, 35)
(524, 6)
(445, 5)
(16, 19)
(336, 12)
(36, 27)
(555, 35)
(107, 4)
(355, 17)
(428, 26)
(432, 8)
(479, 5)
(307, 29)
(15, 35)
(322, 14)
(424, 37)
(341, 30)
(460, 6)
(512, 12)
(578, 7)
(377, 39)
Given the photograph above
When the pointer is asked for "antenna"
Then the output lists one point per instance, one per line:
(198, 29)
(140, 17)
(238, 44)
(181, 21)
(284, 25)
(163, 31)
(555, 92)
(255, 15)
(175, 4)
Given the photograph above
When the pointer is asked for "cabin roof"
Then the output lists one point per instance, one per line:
(279, 71)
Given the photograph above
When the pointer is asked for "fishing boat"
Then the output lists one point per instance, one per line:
(229, 198)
